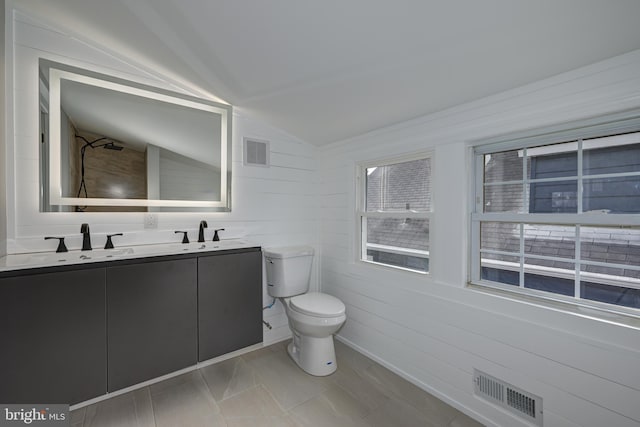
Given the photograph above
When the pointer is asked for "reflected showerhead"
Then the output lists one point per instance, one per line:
(112, 146)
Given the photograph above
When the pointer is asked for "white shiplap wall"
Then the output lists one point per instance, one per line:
(433, 330)
(177, 174)
(270, 206)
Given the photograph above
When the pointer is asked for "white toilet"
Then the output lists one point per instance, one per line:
(313, 317)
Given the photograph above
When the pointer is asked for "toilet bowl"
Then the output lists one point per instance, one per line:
(313, 327)
(313, 317)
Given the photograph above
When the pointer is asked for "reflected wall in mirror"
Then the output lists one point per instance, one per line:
(113, 145)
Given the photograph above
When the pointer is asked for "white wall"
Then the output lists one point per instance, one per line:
(270, 206)
(434, 330)
(152, 156)
(186, 178)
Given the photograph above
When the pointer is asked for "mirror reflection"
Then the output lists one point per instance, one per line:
(119, 146)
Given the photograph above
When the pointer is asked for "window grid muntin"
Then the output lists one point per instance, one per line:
(361, 206)
(568, 219)
(364, 216)
(563, 178)
(578, 243)
(578, 255)
(386, 178)
(580, 188)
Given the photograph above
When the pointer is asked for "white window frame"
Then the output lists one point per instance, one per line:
(625, 122)
(362, 214)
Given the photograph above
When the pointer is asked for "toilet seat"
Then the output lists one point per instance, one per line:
(317, 304)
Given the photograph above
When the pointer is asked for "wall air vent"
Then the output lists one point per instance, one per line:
(519, 402)
(256, 152)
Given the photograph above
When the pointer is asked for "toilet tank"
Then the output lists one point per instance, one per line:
(288, 270)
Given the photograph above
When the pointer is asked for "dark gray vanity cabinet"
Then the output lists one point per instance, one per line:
(53, 328)
(152, 320)
(229, 302)
(72, 333)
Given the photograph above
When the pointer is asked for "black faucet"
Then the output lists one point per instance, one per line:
(185, 238)
(203, 225)
(109, 244)
(61, 246)
(216, 238)
(86, 237)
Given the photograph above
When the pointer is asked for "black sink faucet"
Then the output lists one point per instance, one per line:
(61, 246)
(86, 237)
(203, 225)
(216, 238)
(109, 244)
(185, 238)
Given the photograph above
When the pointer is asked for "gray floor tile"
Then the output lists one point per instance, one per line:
(127, 410)
(255, 402)
(359, 387)
(228, 378)
(190, 378)
(333, 407)
(437, 411)
(257, 354)
(348, 356)
(76, 418)
(286, 381)
(279, 346)
(185, 401)
(266, 388)
(397, 413)
(462, 420)
(266, 351)
(279, 421)
(387, 382)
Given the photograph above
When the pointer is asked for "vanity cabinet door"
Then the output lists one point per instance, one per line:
(152, 320)
(53, 333)
(229, 302)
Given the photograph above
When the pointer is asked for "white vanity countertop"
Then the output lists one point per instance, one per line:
(53, 259)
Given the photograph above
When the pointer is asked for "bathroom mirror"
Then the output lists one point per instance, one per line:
(108, 144)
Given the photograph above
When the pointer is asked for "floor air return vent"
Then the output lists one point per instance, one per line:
(525, 405)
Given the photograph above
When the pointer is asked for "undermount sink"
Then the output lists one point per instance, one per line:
(188, 247)
(99, 255)
(66, 257)
(103, 253)
(177, 248)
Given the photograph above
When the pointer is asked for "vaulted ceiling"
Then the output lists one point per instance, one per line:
(327, 70)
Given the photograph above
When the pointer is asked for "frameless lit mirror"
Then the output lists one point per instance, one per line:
(109, 144)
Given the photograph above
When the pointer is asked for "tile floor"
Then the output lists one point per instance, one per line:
(266, 388)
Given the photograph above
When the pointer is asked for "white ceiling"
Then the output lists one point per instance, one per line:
(331, 69)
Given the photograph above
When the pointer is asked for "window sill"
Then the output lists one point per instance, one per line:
(591, 310)
(390, 268)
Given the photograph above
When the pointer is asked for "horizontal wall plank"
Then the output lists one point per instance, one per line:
(471, 350)
(583, 366)
(572, 409)
(569, 350)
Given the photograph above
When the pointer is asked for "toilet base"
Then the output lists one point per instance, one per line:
(315, 356)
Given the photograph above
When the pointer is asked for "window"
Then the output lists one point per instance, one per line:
(613, 195)
(394, 211)
(558, 215)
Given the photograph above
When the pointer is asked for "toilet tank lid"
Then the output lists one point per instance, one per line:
(288, 251)
(318, 305)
